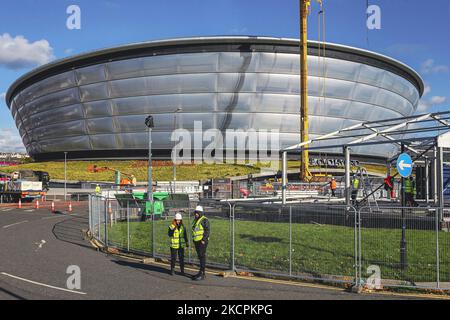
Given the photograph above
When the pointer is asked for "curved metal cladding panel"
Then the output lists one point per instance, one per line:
(95, 108)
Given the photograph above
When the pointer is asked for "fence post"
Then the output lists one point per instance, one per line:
(99, 218)
(153, 234)
(189, 232)
(90, 213)
(438, 271)
(106, 222)
(290, 241)
(128, 226)
(232, 235)
(357, 245)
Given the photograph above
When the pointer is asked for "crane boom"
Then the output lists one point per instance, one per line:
(305, 175)
(304, 124)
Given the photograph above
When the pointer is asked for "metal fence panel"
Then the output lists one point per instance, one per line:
(443, 248)
(117, 228)
(324, 242)
(262, 238)
(410, 246)
(402, 243)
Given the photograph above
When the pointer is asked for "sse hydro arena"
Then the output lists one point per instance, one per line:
(94, 105)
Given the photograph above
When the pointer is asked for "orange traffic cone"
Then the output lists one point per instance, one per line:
(53, 207)
(37, 204)
(20, 203)
(70, 206)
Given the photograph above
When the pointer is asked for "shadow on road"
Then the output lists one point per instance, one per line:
(71, 230)
(147, 267)
(142, 266)
(12, 294)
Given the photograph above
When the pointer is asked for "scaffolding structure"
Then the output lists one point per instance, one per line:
(424, 136)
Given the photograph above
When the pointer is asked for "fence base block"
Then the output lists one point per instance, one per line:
(227, 273)
(357, 289)
(148, 260)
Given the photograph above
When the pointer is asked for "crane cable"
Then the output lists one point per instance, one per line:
(322, 63)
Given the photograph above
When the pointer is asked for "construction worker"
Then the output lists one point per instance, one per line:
(178, 241)
(389, 186)
(200, 237)
(355, 188)
(98, 191)
(333, 186)
(410, 191)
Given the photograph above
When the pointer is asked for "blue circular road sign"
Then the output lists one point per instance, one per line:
(404, 165)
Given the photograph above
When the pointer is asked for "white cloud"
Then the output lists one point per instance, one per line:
(426, 90)
(10, 141)
(68, 51)
(436, 100)
(18, 52)
(428, 66)
(425, 104)
(2, 96)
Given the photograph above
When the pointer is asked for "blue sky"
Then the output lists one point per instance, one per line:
(412, 31)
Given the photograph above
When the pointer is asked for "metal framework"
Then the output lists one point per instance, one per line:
(424, 135)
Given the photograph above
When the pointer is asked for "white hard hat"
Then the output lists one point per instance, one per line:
(199, 208)
(178, 216)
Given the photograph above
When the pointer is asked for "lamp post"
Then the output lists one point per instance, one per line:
(65, 176)
(174, 158)
(149, 124)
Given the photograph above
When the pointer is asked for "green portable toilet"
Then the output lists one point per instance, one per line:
(158, 204)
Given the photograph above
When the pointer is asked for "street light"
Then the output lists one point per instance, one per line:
(150, 125)
(65, 176)
(174, 158)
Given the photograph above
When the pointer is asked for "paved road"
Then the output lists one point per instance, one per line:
(37, 247)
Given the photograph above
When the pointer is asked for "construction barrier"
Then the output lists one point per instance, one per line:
(365, 247)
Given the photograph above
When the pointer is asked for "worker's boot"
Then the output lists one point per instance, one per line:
(201, 276)
(172, 272)
(198, 275)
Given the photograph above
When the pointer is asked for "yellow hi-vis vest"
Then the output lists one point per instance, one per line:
(197, 229)
(97, 189)
(177, 240)
(355, 183)
(409, 186)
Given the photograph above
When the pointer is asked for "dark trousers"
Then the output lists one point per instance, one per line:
(173, 258)
(333, 192)
(201, 253)
(354, 195)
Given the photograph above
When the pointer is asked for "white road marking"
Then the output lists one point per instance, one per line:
(42, 284)
(7, 209)
(40, 244)
(14, 224)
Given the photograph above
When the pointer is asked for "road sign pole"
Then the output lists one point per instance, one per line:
(403, 250)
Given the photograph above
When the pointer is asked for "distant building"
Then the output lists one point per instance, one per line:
(93, 105)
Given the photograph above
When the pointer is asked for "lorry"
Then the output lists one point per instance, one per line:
(23, 185)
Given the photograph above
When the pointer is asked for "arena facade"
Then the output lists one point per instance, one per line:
(93, 105)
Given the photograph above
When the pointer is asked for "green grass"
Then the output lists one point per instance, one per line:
(316, 249)
(77, 170)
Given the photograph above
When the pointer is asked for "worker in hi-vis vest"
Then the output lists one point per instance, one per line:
(333, 186)
(178, 241)
(355, 188)
(200, 237)
(410, 191)
(98, 190)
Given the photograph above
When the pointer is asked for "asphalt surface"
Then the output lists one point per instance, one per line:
(37, 247)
